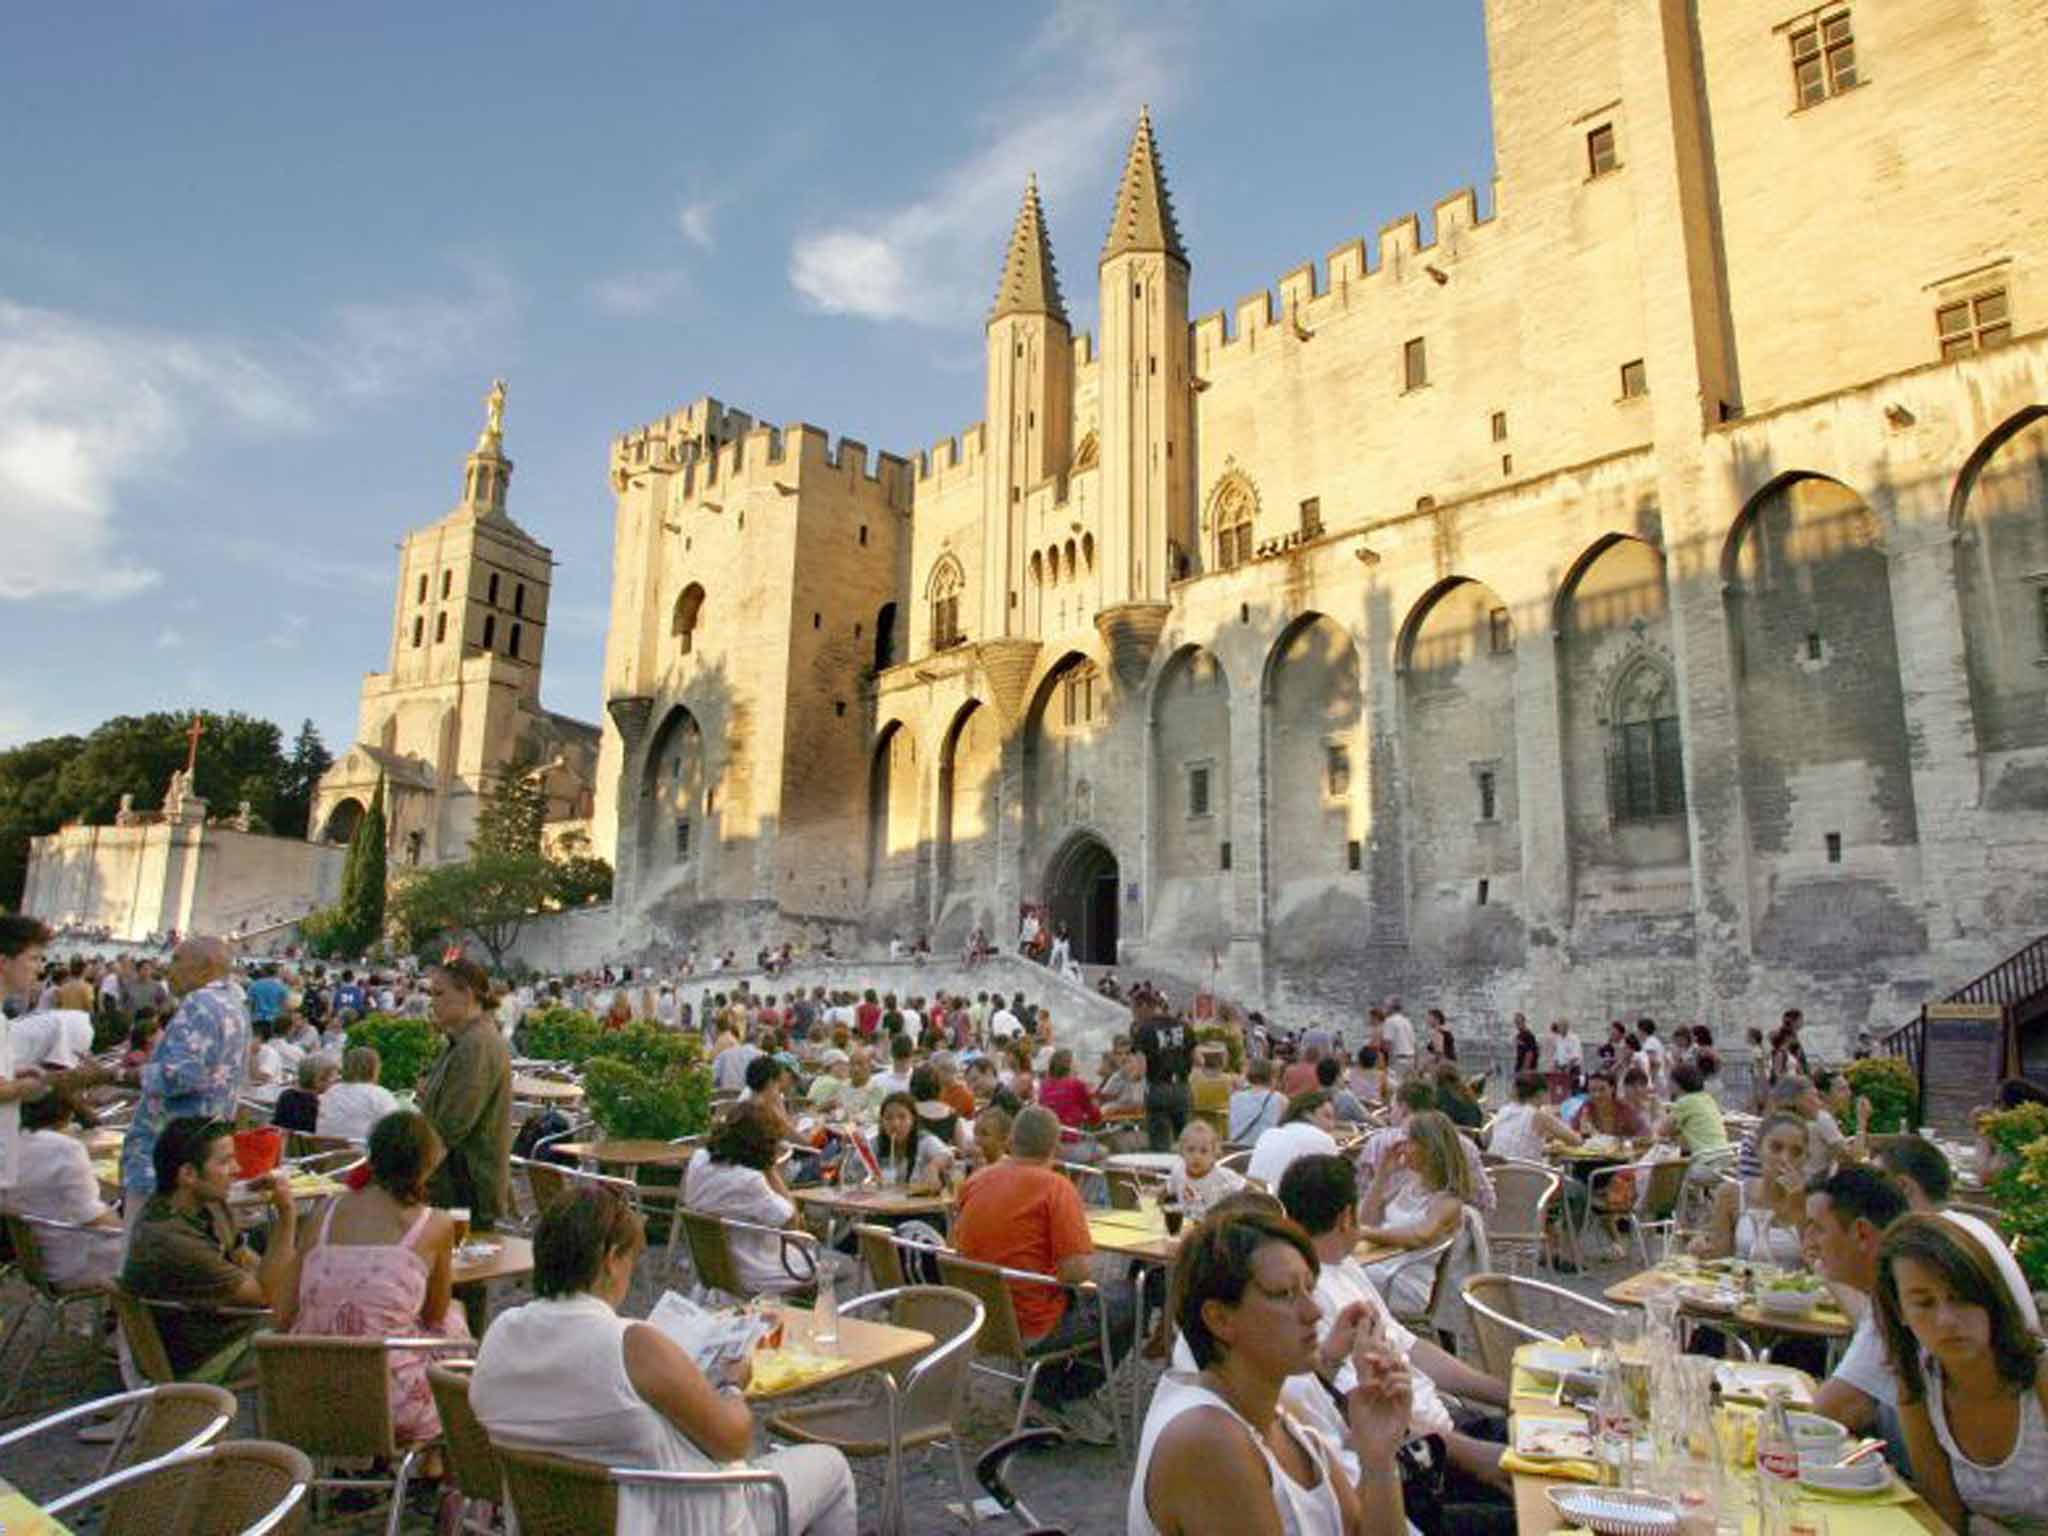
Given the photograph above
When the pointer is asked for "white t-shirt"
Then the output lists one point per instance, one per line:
(1566, 1052)
(350, 1109)
(1278, 1148)
(57, 1183)
(1516, 1134)
(732, 1189)
(1865, 1364)
(57, 1037)
(1005, 1025)
(1655, 1062)
(1400, 1035)
(1337, 1287)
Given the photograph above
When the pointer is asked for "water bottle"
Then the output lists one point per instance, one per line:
(1777, 1468)
(825, 1311)
(1614, 1424)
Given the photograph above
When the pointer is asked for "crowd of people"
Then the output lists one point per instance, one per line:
(1290, 1381)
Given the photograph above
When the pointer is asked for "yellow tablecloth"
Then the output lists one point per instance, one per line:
(20, 1517)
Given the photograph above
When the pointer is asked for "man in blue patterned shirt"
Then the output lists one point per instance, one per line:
(198, 1065)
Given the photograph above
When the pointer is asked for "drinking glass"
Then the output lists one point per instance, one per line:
(459, 1214)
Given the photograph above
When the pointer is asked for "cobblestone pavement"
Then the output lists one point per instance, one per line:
(1080, 1488)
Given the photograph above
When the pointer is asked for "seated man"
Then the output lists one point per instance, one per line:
(1921, 1169)
(298, 1108)
(1321, 1194)
(186, 1250)
(1256, 1107)
(1021, 1214)
(1847, 1212)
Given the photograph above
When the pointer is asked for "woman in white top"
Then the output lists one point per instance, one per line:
(1964, 1335)
(57, 1183)
(734, 1175)
(355, 1104)
(1415, 1213)
(1216, 1439)
(1522, 1128)
(1760, 1220)
(906, 1153)
(566, 1374)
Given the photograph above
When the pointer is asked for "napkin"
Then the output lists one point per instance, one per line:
(780, 1370)
(1567, 1471)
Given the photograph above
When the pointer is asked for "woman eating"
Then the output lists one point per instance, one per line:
(1606, 1113)
(1216, 1439)
(1964, 1337)
(1760, 1220)
(1416, 1212)
(906, 1153)
(380, 1264)
(566, 1374)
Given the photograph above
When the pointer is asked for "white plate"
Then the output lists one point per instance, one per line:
(1553, 1440)
(1614, 1512)
(1750, 1382)
(1849, 1482)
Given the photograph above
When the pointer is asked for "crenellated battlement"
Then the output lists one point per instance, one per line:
(1350, 275)
(952, 459)
(708, 446)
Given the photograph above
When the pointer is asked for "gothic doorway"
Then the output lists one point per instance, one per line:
(341, 821)
(1082, 888)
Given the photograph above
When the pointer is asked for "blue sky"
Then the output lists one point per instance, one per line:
(258, 265)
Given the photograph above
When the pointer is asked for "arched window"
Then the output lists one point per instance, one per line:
(440, 627)
(491, 595)
(885, 637)
(1052, 565)
(943, 592)
(1646, 760)
(423, 588)
(1088, 550)
(1234, 509)
(1037, 569)
(1070, 559)
(447, 582)
(490, 628)
(689, 610)
(419, 630)
(512, 645)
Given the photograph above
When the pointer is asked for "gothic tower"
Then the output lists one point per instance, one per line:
(1147, 417)
(1030, 401)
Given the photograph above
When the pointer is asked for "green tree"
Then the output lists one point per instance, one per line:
(361, 908)
(579, 880)
(292, 808)
(510, 819)
(487, 897)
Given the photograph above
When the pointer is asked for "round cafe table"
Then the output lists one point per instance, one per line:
(545, 1090)
(1159, 1163)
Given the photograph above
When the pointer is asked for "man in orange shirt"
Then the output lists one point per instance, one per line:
(1021, 1214)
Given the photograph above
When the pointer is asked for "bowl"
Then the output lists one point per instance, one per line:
(1615, 1512)
(1865, 1476)
(1817, 1435)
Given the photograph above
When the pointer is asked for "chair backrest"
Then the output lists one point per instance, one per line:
(931, 1384)
(999, 1334)
(328, 1396)
(175, 1415)
(1663, 1190)
(1497, 1322)
(471, 1459)
(237, 1488)
(145, 1341)
(559, 1496)
(28, 1253)
(710, 1251)
(1236, 1162)
(878, 1251)
(1125, 1189)
(547, 1183)
(1521, 1193)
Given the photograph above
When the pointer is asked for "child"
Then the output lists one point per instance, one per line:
(1198, 1181)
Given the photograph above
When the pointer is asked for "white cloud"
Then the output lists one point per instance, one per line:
(169, 639)
(636, 293)
(695, 222)
(89, 410)
(1067, 115)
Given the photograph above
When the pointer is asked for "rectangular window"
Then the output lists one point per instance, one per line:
(419, 626)
(2041, 614)
(1635, 380)
(1823, 58)
(1485, 890)
(1507, 464)
(519, 598)
(1415, 363)
(491, 593)
(1500, 631)
(1600, 154)
(1834, 847)
(423, 588)
(946, 623)
(1813, 645)
(1354, 855)
(1487, 805)
(1336, 770)
(1652, 770)
(682, 837)
(447, 581)
(1312, 517)
(512, 645)
(1198, 791)
(1975, 324)
(1500, 426)
(863, 535)
(1223, 856)
(440, 627)
(490, 629)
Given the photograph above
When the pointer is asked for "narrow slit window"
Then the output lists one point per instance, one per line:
(1635, 380)
(1487, 804)
(1600, 151)
(1415, 363)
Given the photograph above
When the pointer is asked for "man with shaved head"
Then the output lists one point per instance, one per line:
(198, 1064)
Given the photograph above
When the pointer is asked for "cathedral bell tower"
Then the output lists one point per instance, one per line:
(1147, 411)
(1030, 404)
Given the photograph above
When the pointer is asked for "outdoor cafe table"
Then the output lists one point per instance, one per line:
(1535, 1515)
(544, 1090)
(629, 1152)
(862, 1345)
(864, 1204)
(512, 1259)
(1826, 1321)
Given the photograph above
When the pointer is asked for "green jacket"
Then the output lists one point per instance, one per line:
(468, 1096)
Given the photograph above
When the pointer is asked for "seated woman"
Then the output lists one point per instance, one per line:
(1760, 1220)
(734, 1174)
(566, 1374)
(1217, 1438)
(935, 1115)
(1963, 1334)
(1198, 1181)
(380, 1265)
(1067, 1095)
(1454, 1098)
(56, 1182)
(904, 1151)
(1605, 1113)
(1523, 1128)
(298, 1108)
(1417, 1212)
(358, 1101)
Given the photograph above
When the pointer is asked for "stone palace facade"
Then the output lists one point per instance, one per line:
(1630, 597)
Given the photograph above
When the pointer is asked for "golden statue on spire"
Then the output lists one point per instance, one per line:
(494, 408)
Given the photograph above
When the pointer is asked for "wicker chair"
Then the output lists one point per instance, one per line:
(331, 1397)
(880, 1256)
(1659, 1187)
(51, 1301)
(156, 1422)
(473, 1469)
(238, 1488)
(1508, 1311)
(556, 1496)
(137, 1316)
(1524, 1194)
(917, 1402)
(709, 1236)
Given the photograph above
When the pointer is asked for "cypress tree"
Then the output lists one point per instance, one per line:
(362, 877)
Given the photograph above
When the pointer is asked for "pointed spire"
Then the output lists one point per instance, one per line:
(1143, 220)
(1029, 285)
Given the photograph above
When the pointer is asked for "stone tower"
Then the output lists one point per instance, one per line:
(1147, 491)
(1030, 401)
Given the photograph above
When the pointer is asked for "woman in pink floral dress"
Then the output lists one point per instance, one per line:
(380, 1265)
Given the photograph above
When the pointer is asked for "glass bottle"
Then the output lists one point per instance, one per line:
(1777, 1468)
(1614, 1424)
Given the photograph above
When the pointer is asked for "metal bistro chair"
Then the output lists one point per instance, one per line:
(880, 1256)
(914, 1404)
(51, 1301)
(1001, 1337)
(1659, 1186)
(557, 1496)
(709, 1236)
(331, 1397)
(1502, 1308)
(992, 1468)
(156, 1422)
(138, 1315)
(1524, 1197)
(473, 1468)
(236, 1488)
